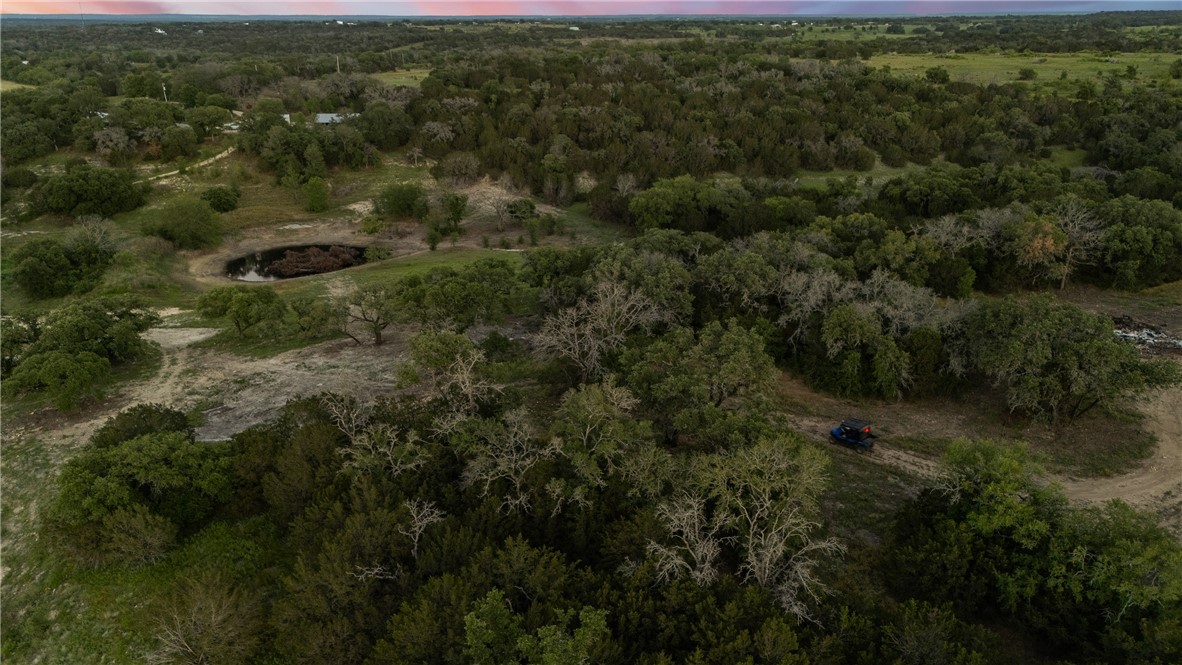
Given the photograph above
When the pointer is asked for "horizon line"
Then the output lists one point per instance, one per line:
(1043, 12)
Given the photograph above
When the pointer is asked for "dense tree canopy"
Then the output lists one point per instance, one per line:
(584, 452)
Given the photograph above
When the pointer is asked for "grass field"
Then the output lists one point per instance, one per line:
(5, 86)
(880, 174)
(986, 68)
(860, 32)
(409, 77)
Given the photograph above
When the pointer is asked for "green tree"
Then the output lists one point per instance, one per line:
(43, 269)
(402, 200)
(207, 120)
(178, 142)
(86, 190)
(937, 75)
(120, 502)
(1056, 360)
(67, 356)
(712, 389)
(315, 195)
(187, 222)
(244, 306)
(374, 308)
(455, 206)
(221, 198)
(66, 378)
(491, 631)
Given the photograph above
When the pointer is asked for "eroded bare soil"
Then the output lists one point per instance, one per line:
(232, 392)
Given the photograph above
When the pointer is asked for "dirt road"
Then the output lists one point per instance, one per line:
(1155, 485)
(235, 392)
(1158, 480)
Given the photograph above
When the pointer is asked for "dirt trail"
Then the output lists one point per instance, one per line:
(233, 391)
(1159, 478)
(1155, 485)
(221, 155)
(818, 429)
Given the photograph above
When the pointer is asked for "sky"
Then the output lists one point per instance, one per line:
(575, 7)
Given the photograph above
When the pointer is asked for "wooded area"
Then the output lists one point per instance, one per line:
(584, 452)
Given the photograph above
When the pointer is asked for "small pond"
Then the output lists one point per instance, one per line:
(295, 261)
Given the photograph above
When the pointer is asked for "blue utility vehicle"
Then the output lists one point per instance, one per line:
(854, 433)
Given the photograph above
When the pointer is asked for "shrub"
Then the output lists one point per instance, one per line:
(86, 190)
(522, 209)
(19, 177)
(221, 198)
(48, 268)
(460, 167)
(1027, 74)
(316, 195)
(188, 223)
(244, 306)
(374, 225)
(137, 421)
(65, 378)
(937, 75)
(402, 200)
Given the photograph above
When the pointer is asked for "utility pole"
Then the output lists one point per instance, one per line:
(165, 89)
(338, 64)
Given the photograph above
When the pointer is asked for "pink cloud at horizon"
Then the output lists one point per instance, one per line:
(568, 7)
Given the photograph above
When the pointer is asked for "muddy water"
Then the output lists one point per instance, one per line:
(256, 267)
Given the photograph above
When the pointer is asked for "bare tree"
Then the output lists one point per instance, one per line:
(415, 154)
(375, 572)
(1084, 235)
(626, 184)
(696, 541)
(113, 144)
(768, 492)
(374, 445)
(500, 206)
(210, 623)
(598, 325)
(438, 132)
(952, 233)
(992, 222)
(446, 367)
(507, 451)
(422, 515)
(94, 231)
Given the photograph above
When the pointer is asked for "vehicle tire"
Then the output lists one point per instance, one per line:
(834, 440)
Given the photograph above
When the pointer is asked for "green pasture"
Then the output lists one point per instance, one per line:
(998, 68)
(409, 77)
